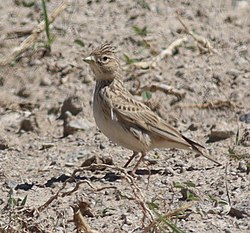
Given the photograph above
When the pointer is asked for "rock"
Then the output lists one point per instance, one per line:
(45, 81)
(3, 144)
(215, 136)
(29, 124)
(242, 166)
(85, 78)
(67, 69)
(73, 104)
(8, 101)
(46, 146)
(97, 160)
(71, 124)
(234, 72)
(245, 118)
(35, 62)
(245, 138)
(179, 73)
(193, 127)
(24, 92)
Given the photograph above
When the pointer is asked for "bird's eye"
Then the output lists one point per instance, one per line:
(105, 58)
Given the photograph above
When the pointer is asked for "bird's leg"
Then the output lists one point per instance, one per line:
(130, 159)
(143, 154)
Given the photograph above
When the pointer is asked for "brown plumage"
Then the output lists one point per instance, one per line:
(125, 120)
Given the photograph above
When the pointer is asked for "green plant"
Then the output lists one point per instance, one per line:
(50, 37)
(162, 220)
(232, 149)
(28, 3)
(185, 189)
(146, 95)
(79, 42)
(140, 31)
(143, 4)
(16, 202)
(129, 60)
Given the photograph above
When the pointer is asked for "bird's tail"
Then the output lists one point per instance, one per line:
(195, 146)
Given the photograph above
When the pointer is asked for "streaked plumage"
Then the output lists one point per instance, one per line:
(122, 118)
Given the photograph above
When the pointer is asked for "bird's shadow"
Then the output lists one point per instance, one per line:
(109, 176)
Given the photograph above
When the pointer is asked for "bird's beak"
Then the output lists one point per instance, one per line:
(89, 59)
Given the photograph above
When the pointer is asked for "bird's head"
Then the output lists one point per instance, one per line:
(104, 63)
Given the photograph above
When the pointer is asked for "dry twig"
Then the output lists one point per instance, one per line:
(30, 40)
(212, 105)
(138, 196)
(19, 32)
(136, 190)
(203, 44)
(81, 224)
(90, 185)
(164, 53)
(161, 87)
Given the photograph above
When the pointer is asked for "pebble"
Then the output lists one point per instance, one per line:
(35, 62)
(28, 125)
(245, 118)
(169, 171)
(233, 72)
(24, 92)
(217, 135)
(3, 144)
(242, 166)
(45, 81)
(85, 78)
(72, 104)
(72, 124)
(179, 73)
(245, 138)
(193, 127)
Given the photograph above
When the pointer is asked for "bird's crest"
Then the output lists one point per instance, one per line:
(104, 49)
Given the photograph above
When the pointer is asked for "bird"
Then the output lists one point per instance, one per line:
(124, 119)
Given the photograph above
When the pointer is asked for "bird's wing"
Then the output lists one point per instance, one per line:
(126, 109)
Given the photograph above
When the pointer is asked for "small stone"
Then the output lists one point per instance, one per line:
(35, 62)
(217, 79)
(233, 72)
(102, 147)
(179, 163)
(24, 92)
(71, 124)
(215, 136)
(169, 171)
(66, 70)
(29, 124)
(85, 78)
(182, 169)
(179, 73)
(245, 118)
(193, 127)
(46, 146)
(94, 159)
(72, 104)
(245, 138)
(45, 81)
(242, 166)
(126, 219)
(3, 144)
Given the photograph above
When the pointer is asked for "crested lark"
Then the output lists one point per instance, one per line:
(125, 120)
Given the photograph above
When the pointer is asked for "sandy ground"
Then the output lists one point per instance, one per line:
(38, 151)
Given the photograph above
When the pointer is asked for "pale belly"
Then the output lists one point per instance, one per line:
(115, 132)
